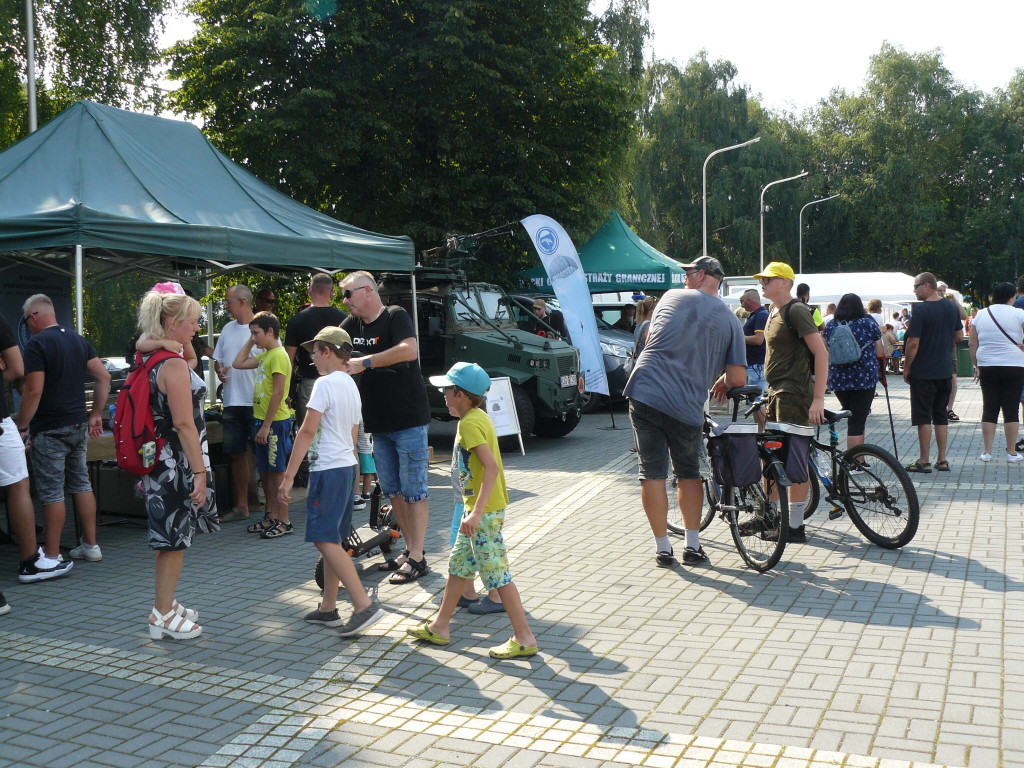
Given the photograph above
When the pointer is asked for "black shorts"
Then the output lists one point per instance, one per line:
(659, 437)
(929, 401)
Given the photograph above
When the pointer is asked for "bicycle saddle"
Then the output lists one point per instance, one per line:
(835, 416)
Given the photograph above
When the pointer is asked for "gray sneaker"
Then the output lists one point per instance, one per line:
(362, 620)
(324, 618)
(84, 552)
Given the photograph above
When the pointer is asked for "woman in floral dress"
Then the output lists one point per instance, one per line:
(854, 384)
(179, 492)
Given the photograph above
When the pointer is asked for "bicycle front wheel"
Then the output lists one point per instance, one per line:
(712, 493)
(675, 514)
(759, 524)
(879, 496)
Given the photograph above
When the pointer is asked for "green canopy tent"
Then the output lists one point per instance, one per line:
(616, 259)
(137, 192)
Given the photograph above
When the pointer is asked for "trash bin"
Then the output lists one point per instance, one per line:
(964, 366)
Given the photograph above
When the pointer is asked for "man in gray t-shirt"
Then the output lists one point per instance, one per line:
(692, 337)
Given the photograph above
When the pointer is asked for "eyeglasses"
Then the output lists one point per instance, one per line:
(347, 293)
(692, 272)
(766, 280)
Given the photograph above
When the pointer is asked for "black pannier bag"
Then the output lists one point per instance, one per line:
(796, 445)
(733, 454)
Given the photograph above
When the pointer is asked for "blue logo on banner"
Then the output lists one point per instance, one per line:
(547, 240)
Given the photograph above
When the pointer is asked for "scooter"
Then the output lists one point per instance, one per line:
(380, 533)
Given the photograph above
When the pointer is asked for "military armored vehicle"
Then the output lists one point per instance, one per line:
(459, 320)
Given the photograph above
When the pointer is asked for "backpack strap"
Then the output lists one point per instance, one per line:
(784, 313)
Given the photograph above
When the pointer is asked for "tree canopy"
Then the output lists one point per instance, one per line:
(420, 117)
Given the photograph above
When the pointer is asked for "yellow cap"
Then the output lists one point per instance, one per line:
(777, 269)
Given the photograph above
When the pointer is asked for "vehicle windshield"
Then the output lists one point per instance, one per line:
(462, 314)
(493, 306)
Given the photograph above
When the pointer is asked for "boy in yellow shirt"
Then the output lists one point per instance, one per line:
(273, 418)
(479, 546)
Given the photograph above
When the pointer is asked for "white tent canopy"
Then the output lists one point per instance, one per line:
(891, 287)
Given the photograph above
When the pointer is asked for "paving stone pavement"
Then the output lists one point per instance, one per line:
(845, 655)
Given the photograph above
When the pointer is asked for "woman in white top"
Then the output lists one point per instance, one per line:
(997, 334)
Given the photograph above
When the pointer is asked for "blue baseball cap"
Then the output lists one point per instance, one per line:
(468, 376)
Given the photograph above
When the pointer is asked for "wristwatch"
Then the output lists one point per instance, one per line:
(367, 362)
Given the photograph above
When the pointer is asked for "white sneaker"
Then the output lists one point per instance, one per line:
(1013, 458)
(84, 552)
(984, 457)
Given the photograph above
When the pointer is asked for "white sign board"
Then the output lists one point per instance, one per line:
(501, 407)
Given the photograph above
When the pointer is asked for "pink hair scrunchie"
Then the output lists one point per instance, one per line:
(168, 288)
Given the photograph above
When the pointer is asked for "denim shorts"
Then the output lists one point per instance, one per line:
(755, 377)
(484, 553)
(238, 423)
(402, 458)
(273, 457)
(329, 501)
(58, 461)
(659, 437)
(13, 467)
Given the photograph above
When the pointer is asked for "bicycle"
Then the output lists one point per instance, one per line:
(741, 473)
(869, 483)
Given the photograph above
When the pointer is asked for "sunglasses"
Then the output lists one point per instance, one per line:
(347, 293)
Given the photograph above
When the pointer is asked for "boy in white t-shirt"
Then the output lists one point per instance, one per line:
(328, 433)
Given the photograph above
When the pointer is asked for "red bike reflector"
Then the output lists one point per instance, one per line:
(773, 445)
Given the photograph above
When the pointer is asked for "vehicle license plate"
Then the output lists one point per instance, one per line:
(568, 381)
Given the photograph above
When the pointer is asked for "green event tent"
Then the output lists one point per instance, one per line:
(616, 259)
(120, 183)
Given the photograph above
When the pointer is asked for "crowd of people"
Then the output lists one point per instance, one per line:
(783, 347)
(353, 370)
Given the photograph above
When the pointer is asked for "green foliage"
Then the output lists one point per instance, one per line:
(103, 50)
(421, 117)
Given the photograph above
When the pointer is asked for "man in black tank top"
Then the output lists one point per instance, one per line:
(395, 410)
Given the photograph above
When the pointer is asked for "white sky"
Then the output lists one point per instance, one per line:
(794, 52)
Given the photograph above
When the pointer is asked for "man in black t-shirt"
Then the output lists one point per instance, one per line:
(14, 475)
(753, 336)
(57, 362)
(934, 328)
(304, 327)
(395, 409)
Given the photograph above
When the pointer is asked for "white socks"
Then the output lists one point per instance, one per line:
(796, 513)
(662, 544)
(693, 540)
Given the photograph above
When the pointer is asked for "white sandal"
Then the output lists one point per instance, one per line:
(173, 626)
(189, 613)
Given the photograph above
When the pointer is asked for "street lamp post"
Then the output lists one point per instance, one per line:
(772, 184)
(704, 195)
(800, 220)
(30, 34)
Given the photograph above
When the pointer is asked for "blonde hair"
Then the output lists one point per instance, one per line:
(645, 308)
(875, 305)
(157, 307)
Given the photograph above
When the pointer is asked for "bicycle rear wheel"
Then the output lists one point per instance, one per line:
(813, 493)
(711, 496)
(880, 497)
(759, 525)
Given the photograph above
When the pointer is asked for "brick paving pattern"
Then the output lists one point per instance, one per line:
(845, 655)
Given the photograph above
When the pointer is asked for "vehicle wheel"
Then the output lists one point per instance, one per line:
(880, 498)
(813, 493)
(759, 525)
(712, 492)
(556, 426)
(318, 572)
(591, 401)
(524, 410)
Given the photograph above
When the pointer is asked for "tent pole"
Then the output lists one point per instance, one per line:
(415, 314)
(211, 375)
(79, 281)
